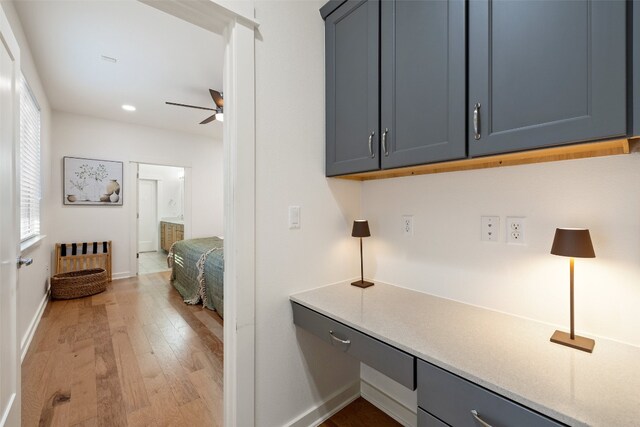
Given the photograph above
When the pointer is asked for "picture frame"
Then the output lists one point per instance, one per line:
(92, 182)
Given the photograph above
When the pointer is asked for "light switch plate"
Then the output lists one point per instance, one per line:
(294, 217)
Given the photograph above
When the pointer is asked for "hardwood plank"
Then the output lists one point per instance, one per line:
(34, 377)
(84, 397)
(196, 414)
(111, 409)
(134, 392)
(210, 394)
(360, 413)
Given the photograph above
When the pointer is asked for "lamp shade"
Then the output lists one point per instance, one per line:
(573, 242)
(360, 228)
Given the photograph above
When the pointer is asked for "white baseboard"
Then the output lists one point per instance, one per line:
(388, 405)
(330, 406)
(125, 275)
(28, 336)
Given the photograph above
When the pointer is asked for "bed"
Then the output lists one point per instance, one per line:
(197, 271)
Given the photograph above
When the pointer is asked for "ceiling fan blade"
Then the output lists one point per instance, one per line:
(217, 98)
(208, 120)
(190, 106)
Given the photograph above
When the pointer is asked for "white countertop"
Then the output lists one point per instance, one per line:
(173, 221)
(506, 354)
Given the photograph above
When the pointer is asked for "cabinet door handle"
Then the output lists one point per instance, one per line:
(384, 142)
(480, 421)
(476, 121)
(371, 153)
(338, 339)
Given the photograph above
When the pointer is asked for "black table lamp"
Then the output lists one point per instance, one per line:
(573, 243)
(361, 229)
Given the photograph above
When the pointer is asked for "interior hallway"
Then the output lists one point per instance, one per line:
(133, 355)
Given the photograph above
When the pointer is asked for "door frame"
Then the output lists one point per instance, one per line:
(10, 244)
(156, 184)
(235, 22)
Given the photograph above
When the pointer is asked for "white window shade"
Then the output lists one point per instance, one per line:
(30, 181)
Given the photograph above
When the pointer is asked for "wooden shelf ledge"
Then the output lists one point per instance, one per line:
(567, 152)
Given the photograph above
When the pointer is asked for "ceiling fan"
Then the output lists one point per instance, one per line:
(217, 99)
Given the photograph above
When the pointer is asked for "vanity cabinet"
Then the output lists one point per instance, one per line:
(406, 85)
(544, 73)
(395, 81)
(169, 234)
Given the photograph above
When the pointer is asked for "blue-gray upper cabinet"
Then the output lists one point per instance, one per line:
(423, 77)
(352, 98)
(545, 73)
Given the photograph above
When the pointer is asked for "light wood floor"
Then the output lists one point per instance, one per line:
(360, 413)
(134, 355)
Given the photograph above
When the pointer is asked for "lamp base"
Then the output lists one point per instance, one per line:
(362, 284)
(579, 343)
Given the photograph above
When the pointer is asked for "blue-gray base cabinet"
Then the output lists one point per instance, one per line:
(444, 399)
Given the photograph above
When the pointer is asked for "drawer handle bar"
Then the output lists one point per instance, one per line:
(338, 339)
(478, 419)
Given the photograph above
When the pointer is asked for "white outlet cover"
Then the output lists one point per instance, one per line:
(407, 225)
(490, 228)
(516, 230)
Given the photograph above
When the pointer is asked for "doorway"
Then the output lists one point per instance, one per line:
(161, 217)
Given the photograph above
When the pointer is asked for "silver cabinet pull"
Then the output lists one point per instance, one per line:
(476, 416)
(384, 142)
(476, 121)
(338, 339)
(371, 153)
(24, 261)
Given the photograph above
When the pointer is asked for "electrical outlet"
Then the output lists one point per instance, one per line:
(407, 225)
(490, 228)
(516, 230)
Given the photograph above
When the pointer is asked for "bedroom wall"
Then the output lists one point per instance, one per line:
(293, 377)
(33, 282)
(445, 256)
(128, 143)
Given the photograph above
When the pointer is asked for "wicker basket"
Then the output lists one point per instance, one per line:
(78, 284)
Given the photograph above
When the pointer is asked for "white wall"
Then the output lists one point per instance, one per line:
(82, 136)
(445, 256)
(293, 375)
(170, 182)
(33, 282)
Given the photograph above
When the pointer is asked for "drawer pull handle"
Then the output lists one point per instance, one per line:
(385, 150)
(478, 419)
(338, 339)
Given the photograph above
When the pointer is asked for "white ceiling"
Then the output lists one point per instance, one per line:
(160, 58)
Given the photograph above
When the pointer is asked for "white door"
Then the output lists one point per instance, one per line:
(9, 231)
(147, 219)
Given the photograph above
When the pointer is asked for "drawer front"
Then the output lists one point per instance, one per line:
(451, 399)
(425, 419)
(392, 362)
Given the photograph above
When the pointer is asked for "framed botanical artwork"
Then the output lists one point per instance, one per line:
(92, 182)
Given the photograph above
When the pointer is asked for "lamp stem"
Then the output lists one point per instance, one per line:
(362, 268)
(573, 333)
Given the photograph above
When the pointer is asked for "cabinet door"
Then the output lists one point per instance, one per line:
(545, 73)
(423, 82)
(352, 96)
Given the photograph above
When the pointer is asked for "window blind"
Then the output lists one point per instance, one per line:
(30, 182)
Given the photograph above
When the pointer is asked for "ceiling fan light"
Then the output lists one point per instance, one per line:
(220, 117)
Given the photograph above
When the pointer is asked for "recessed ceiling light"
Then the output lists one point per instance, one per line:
(126, 107)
